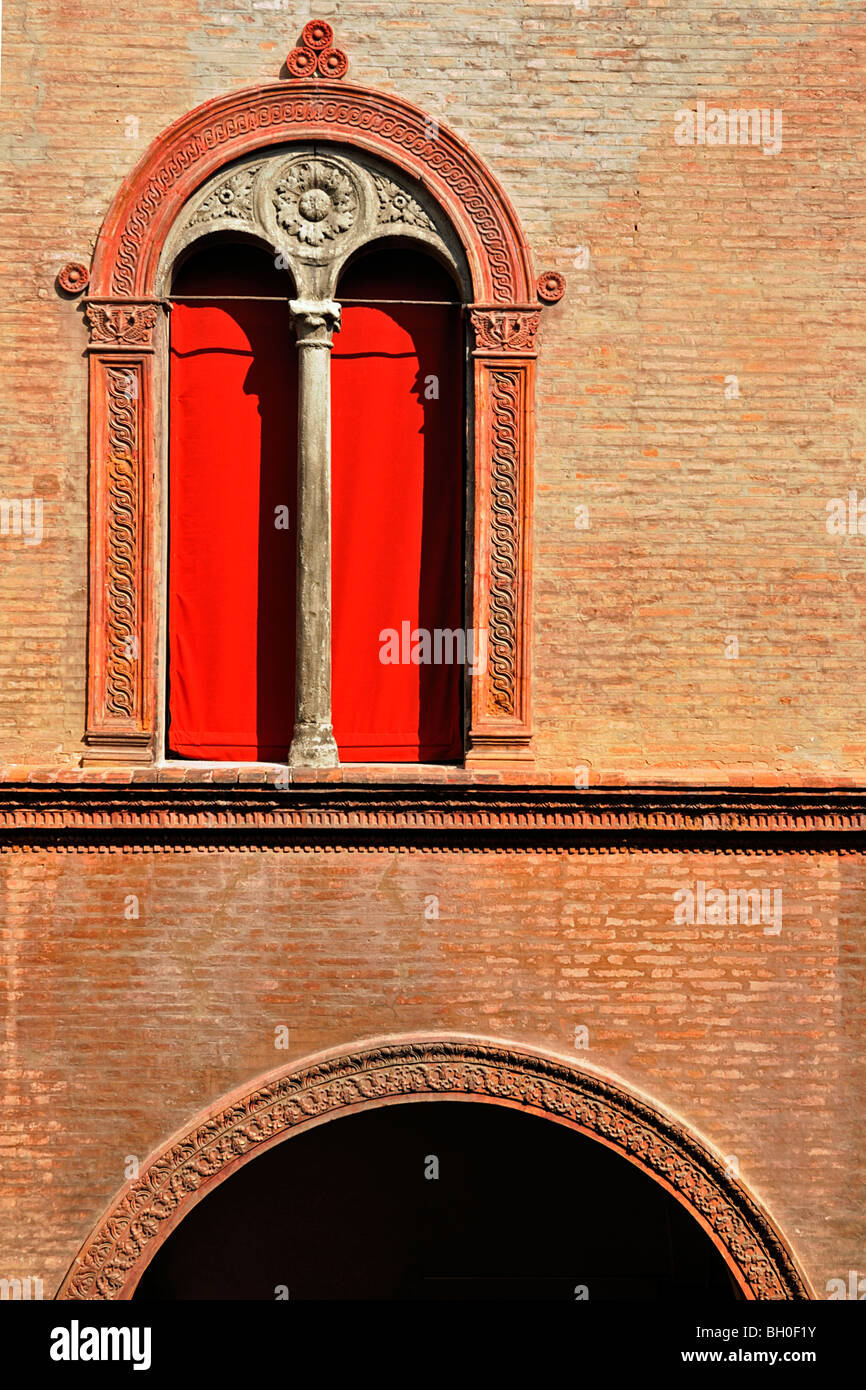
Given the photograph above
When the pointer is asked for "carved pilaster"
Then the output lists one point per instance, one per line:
(120, 706)
(500, 730)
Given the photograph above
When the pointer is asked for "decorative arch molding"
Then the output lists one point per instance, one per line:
(226, 128)
(128, 372)
(454, 1067)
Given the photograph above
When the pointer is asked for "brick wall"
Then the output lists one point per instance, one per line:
(707, 510)
(707, 521)
(121, 1028)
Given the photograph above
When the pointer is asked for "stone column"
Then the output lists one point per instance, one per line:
(313, 742)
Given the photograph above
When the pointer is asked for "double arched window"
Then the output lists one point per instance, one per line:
(311, 391)
(315, 467)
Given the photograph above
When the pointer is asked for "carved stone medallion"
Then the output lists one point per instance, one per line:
(316, 200)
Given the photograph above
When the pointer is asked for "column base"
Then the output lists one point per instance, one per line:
(313, 745)
(117, 748)
(500, 748)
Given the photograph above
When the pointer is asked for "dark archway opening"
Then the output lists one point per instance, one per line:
(522, 1208)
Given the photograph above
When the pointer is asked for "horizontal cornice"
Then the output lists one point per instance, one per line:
(451, 817)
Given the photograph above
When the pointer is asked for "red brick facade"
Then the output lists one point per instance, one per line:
(696, 625)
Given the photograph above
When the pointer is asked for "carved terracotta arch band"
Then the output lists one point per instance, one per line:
(127, 376)
(388, 1071)
(221, 130)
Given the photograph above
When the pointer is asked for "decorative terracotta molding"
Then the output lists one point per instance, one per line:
(227, 128)
(317, 34)
(116, 1254)
(120, 661)
(501, 720)
(441, 816)
(124, 543)
(73, 278)
(504, 388)
(505, 481)
(124, 318)
(121, 325)
(550, 287)
(505, 330)
(316, 53)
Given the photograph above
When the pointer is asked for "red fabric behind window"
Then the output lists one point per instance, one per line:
(397, 409)
(233, 460)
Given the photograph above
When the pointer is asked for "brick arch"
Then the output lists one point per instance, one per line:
(218, 132)
(128, 373)
(392, 1071)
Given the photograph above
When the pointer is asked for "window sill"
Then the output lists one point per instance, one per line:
(278, 774)
(667, 779)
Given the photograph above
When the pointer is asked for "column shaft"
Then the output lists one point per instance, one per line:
(313, 743)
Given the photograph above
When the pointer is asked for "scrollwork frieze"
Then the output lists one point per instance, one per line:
(549, 818)
(504, 594)
(123, 542)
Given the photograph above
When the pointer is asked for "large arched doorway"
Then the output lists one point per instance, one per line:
(439, 1201)
(444, 1069)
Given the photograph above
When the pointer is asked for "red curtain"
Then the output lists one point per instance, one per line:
(397, 512)
(233, 429)
(397, 410)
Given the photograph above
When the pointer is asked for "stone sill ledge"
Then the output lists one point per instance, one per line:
(669, 779)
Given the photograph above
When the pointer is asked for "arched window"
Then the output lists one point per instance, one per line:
(398, 512)
(327, 473)
(232, 490)
(320, 178)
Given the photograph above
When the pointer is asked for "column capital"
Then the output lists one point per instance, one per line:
(315, 321)
(122, 324)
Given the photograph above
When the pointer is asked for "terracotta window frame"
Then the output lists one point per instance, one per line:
(128, 365)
